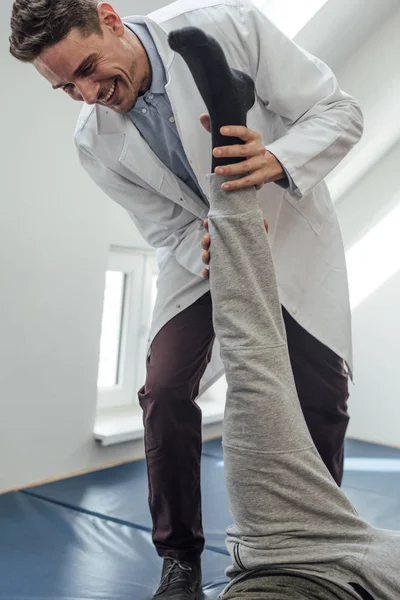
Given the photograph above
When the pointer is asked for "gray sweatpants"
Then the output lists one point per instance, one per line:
(287, 511)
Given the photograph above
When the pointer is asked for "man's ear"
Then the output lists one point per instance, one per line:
(109, 18)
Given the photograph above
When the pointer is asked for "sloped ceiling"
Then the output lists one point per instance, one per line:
(342, 26)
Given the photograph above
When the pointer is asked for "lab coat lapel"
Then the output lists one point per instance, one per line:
(136, 156)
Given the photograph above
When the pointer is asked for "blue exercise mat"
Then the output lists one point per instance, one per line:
(356, 448)
(89, 537)
(372, 482)
(48, 552)
(213, 448)
(121, 493)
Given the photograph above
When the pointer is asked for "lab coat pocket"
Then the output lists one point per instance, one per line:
(315, 208)
(141, 159)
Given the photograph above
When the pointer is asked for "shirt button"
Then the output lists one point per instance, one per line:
(144, 110)
(172, 120)
(150, 96)
(178, 306)
(294, 311)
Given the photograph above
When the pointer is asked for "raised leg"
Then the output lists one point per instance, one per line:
(286, 508)
(227, 93)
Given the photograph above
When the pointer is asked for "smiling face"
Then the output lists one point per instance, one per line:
(111, 69)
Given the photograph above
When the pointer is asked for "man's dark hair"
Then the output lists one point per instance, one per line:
(40, 24)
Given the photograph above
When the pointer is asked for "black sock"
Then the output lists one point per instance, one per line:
(227, 93)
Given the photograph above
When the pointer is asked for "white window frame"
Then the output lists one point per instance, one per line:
(139, 266)
(119, 415)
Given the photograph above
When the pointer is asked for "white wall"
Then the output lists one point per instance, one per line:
(373, 77)
(340, 27)
(55, 232)
(367, 187)
(375, 400)
(375, 397)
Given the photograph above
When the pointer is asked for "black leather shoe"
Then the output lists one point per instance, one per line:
(179, 581)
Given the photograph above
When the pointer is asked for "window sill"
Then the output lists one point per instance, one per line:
(118, 425)
(124, 423)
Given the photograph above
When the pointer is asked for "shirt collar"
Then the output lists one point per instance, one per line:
(159, 79)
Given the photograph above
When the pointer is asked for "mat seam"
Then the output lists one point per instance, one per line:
(103, 517)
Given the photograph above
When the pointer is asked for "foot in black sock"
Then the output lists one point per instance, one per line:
(227, 93)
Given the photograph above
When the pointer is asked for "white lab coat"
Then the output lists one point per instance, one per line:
(305, 120)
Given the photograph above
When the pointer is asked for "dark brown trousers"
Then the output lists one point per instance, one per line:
(179, 356)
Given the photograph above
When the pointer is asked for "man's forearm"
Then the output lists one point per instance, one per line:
(313, 147)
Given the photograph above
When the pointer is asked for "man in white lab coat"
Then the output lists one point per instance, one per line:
(140, 139)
